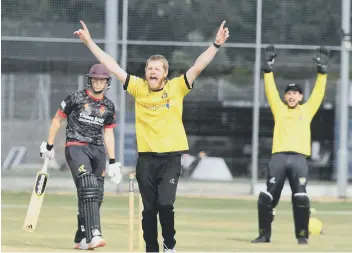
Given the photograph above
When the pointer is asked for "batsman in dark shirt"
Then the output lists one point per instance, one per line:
(90, 122)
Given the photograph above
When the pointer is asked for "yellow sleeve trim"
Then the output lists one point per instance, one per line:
(125, 85)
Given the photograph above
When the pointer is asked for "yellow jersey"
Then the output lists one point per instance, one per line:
(159, 126)
(292, 126)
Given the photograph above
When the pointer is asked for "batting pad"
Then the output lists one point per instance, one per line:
(88, 195)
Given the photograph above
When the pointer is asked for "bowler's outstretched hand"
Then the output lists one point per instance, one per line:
(83, 34)
(222, 35)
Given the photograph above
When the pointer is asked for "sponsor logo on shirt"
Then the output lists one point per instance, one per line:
(154, 107)
(83, 117)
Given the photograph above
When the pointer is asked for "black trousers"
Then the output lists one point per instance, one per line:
(83, 157)
(157, 177)
(289, 165)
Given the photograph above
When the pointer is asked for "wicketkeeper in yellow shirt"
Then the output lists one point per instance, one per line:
(291, 146)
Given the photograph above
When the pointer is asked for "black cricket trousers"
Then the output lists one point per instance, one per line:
(289, 165)
(83, 157)
(157, 176)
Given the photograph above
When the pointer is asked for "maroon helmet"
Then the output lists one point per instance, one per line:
(99, 71)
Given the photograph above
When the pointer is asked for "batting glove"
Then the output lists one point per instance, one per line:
(321, 58)
(47, 151)
(114, 171)
(269, 58)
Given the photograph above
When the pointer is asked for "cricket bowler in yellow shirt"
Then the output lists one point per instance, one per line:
(161, 137)
(291, 146)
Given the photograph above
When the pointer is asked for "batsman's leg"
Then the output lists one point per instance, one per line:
(78, 160)
(101, 196)
(147, 183)
(168, 180)
(268, 199)
(88, 194)
(298, 178)
(80, 233)
(98, 160)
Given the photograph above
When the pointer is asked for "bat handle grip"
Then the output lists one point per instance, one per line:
(45, 165)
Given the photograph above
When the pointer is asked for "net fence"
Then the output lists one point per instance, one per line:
(42, 62)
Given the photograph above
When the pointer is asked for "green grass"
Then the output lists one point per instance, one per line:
(202, 224)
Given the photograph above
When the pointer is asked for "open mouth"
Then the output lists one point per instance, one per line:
(153, 79)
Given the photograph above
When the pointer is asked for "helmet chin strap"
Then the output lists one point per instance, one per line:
(90, 85)
(98, 92)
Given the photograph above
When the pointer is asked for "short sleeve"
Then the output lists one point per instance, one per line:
(66, 106)
(110, 121)
(131, 84)
(183, 84)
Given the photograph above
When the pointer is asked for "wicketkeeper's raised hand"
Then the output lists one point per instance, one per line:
(46, 151)
(269, 58)
(321, 58)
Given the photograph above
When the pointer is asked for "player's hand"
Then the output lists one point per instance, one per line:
(46, 151)
(321, 58)
(83, 33)
(222, 35)
(114, 172)
(269, 58)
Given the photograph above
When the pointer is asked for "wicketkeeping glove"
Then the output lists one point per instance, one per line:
(269, 58)
(47, 151)
(321, 58)
(114, 172)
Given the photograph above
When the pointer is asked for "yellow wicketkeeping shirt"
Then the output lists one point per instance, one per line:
(292, 126)
(159, 126)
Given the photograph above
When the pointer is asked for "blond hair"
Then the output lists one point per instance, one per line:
(158, 57)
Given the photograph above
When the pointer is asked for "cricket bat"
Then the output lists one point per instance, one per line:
(37, 197)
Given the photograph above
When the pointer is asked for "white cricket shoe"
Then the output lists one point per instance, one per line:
(97, 241)
(170, 250)
(167, 250)
(83, 245)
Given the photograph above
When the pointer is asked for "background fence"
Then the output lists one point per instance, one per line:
(42, 62)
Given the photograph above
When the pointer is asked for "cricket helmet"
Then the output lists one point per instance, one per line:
(99, 71)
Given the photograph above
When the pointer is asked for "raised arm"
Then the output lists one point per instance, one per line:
(272, 94)
(317, 95)
(321, 58)
(208, 55)
(271, 91)
(105, 59)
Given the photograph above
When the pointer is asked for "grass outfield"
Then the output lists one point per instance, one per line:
(202, 224)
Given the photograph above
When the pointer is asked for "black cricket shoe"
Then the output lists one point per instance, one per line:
(302, 240)
(261, 239)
